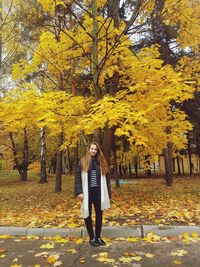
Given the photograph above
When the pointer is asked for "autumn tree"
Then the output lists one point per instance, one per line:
(129, 91)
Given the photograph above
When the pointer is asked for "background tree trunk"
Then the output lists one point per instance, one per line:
(16, 161)
(95, 63)
(190, 154)
(25, 157)
(136, 168)
(1, 43)
(43, 174)
(116, 176)
(58, 186)
(168, 164)
(76, 160)
(183, 170)
(107, 143)
(178, 165)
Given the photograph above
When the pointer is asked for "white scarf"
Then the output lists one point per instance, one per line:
(105, 201)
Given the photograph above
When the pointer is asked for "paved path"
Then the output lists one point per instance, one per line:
(24, 252)
(21, 250)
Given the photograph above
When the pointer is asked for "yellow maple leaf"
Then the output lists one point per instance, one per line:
(72, 250)
(103, 254)
(177, 262)
(82, 260)
(132, 239)
(125, 259)
(79, 241)
(52, 259)
(6, 236)
(48, 245)
(72, 225)
(149, 255)
(194, 235)
(179, 252)
(106, 260)
(151, 237)
(42, 254)
(185, 235)
(137, 258)
(2, 256)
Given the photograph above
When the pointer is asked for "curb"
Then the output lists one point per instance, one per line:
(108, 231)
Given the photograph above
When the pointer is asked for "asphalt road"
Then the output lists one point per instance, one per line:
(23, 252)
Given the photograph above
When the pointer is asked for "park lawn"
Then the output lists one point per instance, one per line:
(145, 201)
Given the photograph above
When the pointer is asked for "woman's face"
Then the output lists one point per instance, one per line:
(93, 150)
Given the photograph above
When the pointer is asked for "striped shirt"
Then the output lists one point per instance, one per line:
(93, 173)
(93, 180)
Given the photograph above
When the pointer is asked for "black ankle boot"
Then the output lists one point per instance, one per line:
(100, 241)
(93, 242)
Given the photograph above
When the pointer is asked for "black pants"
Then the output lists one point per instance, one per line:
(93, 199)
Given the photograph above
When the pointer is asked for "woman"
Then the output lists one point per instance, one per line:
(92, 186)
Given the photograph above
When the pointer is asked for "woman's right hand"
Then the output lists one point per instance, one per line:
(80, 196)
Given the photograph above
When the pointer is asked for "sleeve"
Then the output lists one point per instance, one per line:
(78, 181)
(108, 186)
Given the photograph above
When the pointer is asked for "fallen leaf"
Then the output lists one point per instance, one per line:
(137, 258)
(151, 238)
(149, 255)
(3, 250)
(82, 260)
(125, 259)
(58, 263)
(194, 235)
(2, 256)
(79, 241)
(132, 239)
(52, 259)
(42, 254)
(72, 250)
(48, 245)
(179, 252)
(177, 262)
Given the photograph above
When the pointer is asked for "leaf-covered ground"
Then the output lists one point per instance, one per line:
(145, 201)
(151, 251)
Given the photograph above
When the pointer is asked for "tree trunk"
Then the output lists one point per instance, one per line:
(14, 150)
(136, 168)
(95, 63)
(76, 160)
(120, 169)
(173, 163)
(107, 143)
(97, 136)
(183, 170)
(70, 161)
(117, 184)
(168, 164)
(124, 169)
(129, 170)
(148, 171)
(190, 154)
(1, 44)
(43, 173)
(25, 157)
(154, 167)
(178, 165)
(58, 185)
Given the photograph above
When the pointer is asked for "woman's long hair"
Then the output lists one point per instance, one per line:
(86, 159)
